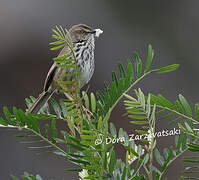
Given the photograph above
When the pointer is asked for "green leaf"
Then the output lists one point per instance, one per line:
(149, 58)
(99, 125)
(127, 157)
(129, 73)
(100, 96)
(13, 177)
(185, 105)
(135, 111)
(88, 137)
(113, 92)
(47, 128)
(188, 127)
(66, 82)
(2, 122)
(166, 102)
(166, 69)
(57, 42)
(182, 128)
(67, 54)
(57, 37)
(197, 111)
(179, 107)
(175, 120)
(63, 107)
(184, 141)
(54, 130)
(8, 116)
(148, 106)
(23, 118)
(66, 66)
(178, 143)
(105, 160)
(118, 177)
(120, 86)
(112, 162)
(76, 147)
(56, 32)
(61, 141)
(138, 65)
(78, 161)
(105, 121)
(157, 172)
(56, 107)
(123, 173)
(130, 97)
(158, 157)
(167, 160)
(121, 70)
(141, 131)
(17, 116)
(114, 78)
(139, 122)
(62, 60)
(146, 159)
(107, 100)
(28, 102)
(32, 123)
(87, 132)
(73, 170)
(137, 117)
(166, 152)
(63, 31)
(166, 116)
(193, 147)
(57, 47)
(113, 130)
(86, 99)
(100, 110)
(141, 98)
(93, 103)
(66, 75)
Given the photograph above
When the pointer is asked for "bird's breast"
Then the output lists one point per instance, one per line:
(86, 64)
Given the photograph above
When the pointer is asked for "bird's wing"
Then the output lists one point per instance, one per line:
(51, 72)
(50, 76)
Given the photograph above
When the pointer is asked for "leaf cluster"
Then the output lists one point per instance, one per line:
(85, 144)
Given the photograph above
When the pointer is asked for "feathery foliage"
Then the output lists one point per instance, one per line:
(91, 138)
(28, 176)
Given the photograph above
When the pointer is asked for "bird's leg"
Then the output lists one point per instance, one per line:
(85, 111)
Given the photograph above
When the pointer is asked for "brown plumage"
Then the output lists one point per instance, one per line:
(83, 38)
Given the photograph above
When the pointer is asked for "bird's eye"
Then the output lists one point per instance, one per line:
(93, 32)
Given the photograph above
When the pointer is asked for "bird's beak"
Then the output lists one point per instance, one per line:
(97, 32)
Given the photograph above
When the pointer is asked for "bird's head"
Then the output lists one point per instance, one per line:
(82, 32)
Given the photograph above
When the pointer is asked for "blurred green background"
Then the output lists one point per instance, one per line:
(172, 27)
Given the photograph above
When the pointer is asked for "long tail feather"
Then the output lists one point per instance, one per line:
(40, 101)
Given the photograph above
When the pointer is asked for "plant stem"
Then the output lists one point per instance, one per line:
(180, 114)
(79, 101)
(145, 168)
(175, 159)
(150, 165)
(38, 134)
(151, 147)
(125, 92)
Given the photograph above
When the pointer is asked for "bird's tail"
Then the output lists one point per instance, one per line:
(40, 101)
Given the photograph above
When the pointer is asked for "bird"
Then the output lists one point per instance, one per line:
(83, 40)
